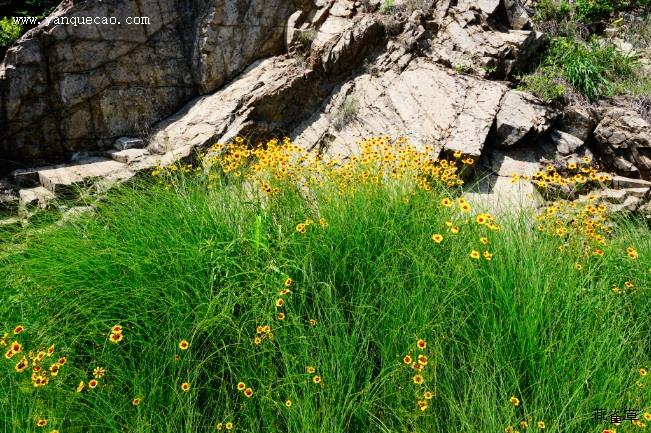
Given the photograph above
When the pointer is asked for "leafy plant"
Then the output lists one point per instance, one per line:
(387, 6)
(546, 83)
(9, 31)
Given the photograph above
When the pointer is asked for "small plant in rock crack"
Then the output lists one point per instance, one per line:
(345, 113)
(306, 37)
(387, 6)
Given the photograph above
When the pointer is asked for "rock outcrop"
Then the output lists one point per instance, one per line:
(324, 72)
(71, 87)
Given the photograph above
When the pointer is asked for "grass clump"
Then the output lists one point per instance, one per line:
(593, 69)
(270, 290)
(584, 11)
(345, 113)
(546, 83)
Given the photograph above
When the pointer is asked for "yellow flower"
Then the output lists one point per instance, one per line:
(418, 379)
(541, 424)
(98, 372)
(323, 222)
(508, 429)
(446, 202)
(18, 329)
(281, 316)
(421, 344)
(301, 228)
(647, 416)
(422, 359)
(422, 405)
(185, 386)
(454, 230)
(483, 241)
(81, 386)
(437, 238)
(312, 322)
(578, 266)
(407, 360)
(41, 423)
(487, 255)
(183, 345)
(474, 254)
(514, 401)
(92, 384)
(427, 395)
(643, 372)
(229, 426)
(316, 379)
(465, 207)
(310, 369)
(280, 302)
(288, 282)
(241, 386)
(22, 365)
(524, 424)
(219, 426)
(248, 393)
(136, 401)
(288, 403)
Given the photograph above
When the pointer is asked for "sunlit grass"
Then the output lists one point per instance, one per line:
(203, 258)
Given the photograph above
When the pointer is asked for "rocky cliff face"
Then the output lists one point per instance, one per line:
(324, 72)
(68, 88)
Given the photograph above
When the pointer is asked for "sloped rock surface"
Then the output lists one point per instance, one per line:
(325, 72)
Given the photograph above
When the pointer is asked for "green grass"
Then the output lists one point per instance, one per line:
(595, 69)
(184, 261)
(584, 11)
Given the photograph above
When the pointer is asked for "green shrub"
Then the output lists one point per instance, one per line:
(546, 83)
(387, 6)
(9, 32)
(552, 10)
(583, 11)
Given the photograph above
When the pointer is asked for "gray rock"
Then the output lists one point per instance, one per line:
(623, 140)
(520, 115)
(124, 143)
(626, 182)
(38, 196)
(68, 88)
(622, 128)
(578, 121)
(565, 143)
(69, 179)
(516, 14)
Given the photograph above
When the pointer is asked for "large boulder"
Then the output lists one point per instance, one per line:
(67, 87)
(520, 116)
